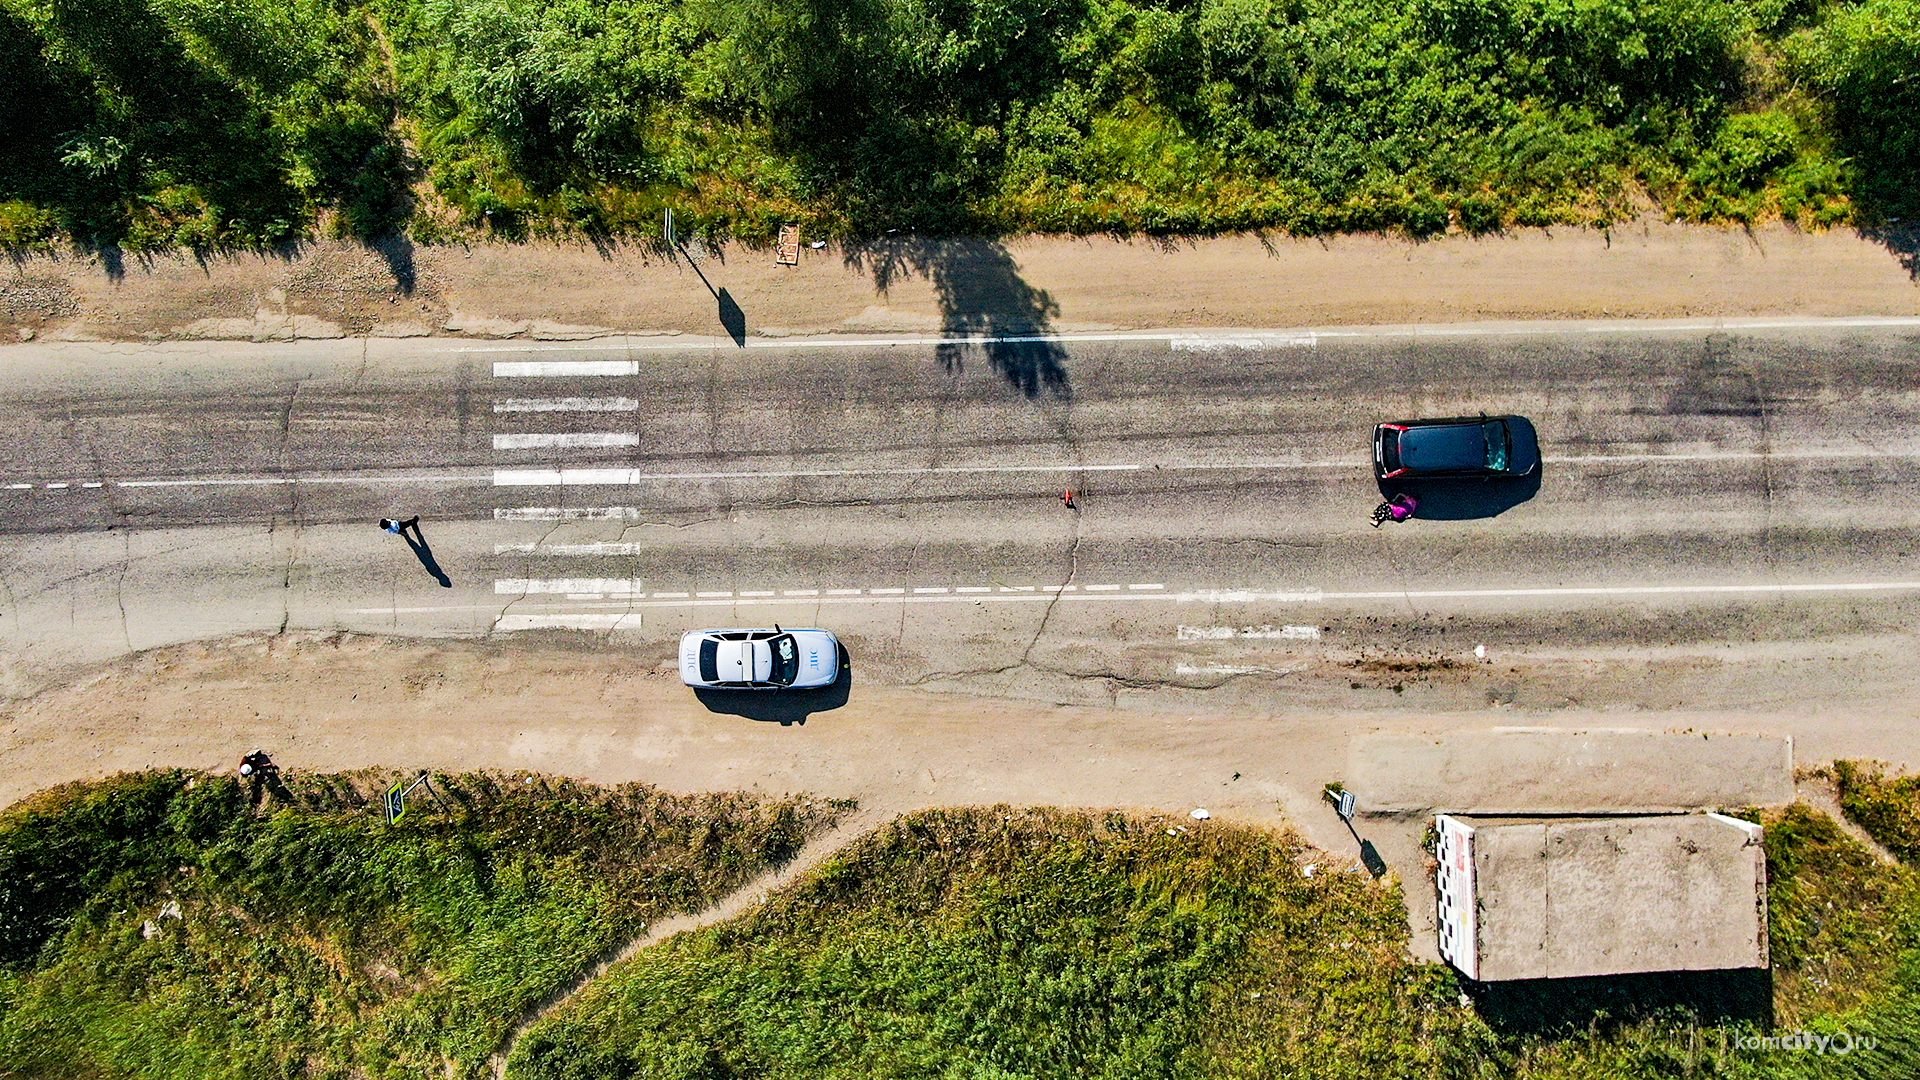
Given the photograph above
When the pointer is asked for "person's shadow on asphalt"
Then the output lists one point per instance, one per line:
(425, 555)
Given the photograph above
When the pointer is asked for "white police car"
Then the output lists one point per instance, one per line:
(773, 659)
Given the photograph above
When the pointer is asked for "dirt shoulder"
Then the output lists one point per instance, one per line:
(1641, 270)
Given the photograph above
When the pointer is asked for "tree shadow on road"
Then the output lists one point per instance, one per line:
(982, 296)
(784, 707)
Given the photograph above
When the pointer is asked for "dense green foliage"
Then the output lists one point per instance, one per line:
(162, 925)
(1017, 943)
(213, 122)
(1888, 807)
(173, 925)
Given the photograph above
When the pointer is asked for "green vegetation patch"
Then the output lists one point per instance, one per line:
(1035, 943)
(1027, 943)
(151, 123)
(168, 924)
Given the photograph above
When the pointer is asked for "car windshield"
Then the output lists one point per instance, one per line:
(1496, 433)
(786, 660)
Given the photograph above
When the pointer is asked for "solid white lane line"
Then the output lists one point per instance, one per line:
(527, 369)
(629, 477)
(1443, 330)
(571, 439)
(569, 404)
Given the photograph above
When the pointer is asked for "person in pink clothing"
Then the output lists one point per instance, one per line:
(1398, 508)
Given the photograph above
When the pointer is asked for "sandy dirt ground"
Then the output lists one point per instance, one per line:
(1642, 269)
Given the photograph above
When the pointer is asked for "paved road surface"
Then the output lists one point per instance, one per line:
(1707, 492)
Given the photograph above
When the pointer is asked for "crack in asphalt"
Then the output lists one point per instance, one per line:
(1073, 572)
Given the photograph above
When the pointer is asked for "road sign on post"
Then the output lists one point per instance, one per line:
(396, 803)
(1346, 806)
(789, 251)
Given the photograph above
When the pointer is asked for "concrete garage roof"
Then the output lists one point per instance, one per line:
(1561, 897)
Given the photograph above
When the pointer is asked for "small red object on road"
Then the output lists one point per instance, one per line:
(1066, 499)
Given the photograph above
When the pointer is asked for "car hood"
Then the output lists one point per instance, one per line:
(819, 657)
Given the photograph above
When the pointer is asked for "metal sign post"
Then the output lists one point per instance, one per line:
(397, 798)
(666, 228)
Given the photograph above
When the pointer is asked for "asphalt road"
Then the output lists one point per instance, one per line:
(1747, 490)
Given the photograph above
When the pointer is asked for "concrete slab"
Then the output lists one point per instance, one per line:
(1561, 898)
(1559, 771)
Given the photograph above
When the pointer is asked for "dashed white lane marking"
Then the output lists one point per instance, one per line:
(566, 440)
(541, 369)
(604, 548)
(567, 586)
(1436, 330)
(631, 477)
(568, 513)
(1229, 669)
(568, 404)
(1265, 632)
(56, 487)
(1246, 342)
(628, 588)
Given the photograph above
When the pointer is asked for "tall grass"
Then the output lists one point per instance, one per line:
(163, 925)
(1025, 943)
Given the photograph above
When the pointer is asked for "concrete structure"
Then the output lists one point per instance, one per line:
(1516, 770)
(1564, 897)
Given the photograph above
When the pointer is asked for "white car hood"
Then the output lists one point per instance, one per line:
(819, 658)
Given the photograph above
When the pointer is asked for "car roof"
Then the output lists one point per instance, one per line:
(1452, 445)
